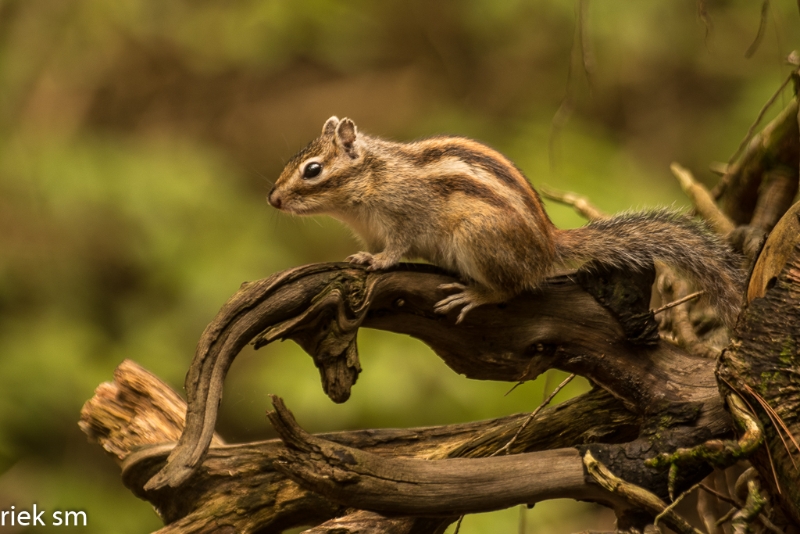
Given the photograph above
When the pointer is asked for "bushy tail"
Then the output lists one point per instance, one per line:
(636, 239)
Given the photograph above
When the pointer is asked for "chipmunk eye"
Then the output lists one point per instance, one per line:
(312, 170)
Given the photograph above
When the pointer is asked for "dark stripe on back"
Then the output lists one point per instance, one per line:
(498, 166)
(447, 184)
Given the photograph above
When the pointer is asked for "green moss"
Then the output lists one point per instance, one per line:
(788, 352)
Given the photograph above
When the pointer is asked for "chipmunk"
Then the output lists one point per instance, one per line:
(465, 207)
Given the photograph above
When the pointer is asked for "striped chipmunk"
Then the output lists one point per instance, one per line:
(465, 207)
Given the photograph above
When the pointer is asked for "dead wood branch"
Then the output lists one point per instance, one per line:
(776, 146)
(564, 326)
(701, 198)
(222, 494)
(442, 487)
(579, 203)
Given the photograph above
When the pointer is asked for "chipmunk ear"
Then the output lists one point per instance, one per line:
(346, 133)
(330, 125)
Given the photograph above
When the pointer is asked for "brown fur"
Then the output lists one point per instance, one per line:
(464, 206)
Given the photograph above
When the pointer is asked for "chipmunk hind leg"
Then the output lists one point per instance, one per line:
(477, 270)
(487, 258)
(467, 298)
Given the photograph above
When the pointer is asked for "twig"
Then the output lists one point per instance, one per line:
(708, 507)
(702, 200)
(760, 116)
(777, 420)
(762, 26)
(524, 376)
(753, 412)
(533, 414)
(702, 12)
(769, 524)
(727, 517)
(720, 496)
(560, 119)
(579, 43)
(740, 490)
(774, 471)
(723, 483)
(674, 503)
(678, 302)
(638, 496)
(669, 286)
(580, 203)
(515, 386)
(752, 508)
(718, 168)
(586, 49)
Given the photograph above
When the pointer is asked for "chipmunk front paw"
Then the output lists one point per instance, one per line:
(374, 262)
(361, 258)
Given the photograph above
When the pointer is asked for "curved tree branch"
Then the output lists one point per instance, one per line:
(445, 487)
(595, 323)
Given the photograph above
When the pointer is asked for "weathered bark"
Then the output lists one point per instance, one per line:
(763, 363)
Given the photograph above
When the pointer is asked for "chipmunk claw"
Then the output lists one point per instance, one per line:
(361, 258)
(467, 298)
(464, 299)
(374, 262)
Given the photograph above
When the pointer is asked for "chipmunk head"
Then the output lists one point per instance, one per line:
(316, 179)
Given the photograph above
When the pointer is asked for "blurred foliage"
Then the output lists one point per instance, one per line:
(139, 137)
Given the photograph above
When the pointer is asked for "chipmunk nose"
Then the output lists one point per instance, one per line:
(274, 199)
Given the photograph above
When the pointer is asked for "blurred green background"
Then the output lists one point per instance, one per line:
(138, 139)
